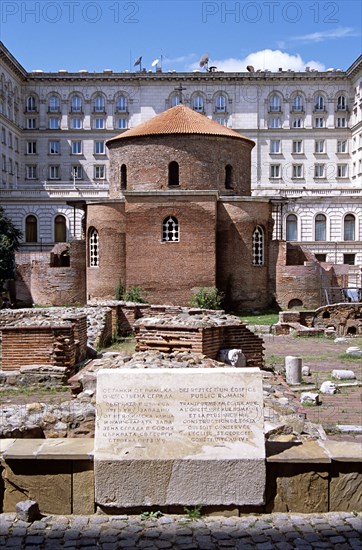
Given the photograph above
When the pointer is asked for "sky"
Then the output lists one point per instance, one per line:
(75, 35)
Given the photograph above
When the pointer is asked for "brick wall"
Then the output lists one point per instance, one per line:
(345, 318)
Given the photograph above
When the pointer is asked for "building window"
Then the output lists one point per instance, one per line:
(54, 147)
(292, 227)
(319, 146)
(76, 147)
(99, 104)
(99, 172)
(319, 122)
(31, 148)
(275, 146)
(122, 104)
(3, 163)
(320, 227)
(342, 146)
(60, 229)
(122, 123)
(123, 176)
(54, 123)
(11, 169)
(349, 227)
(297, 146)
(297, 105)
(297, 122)
(297, 171)
(341, 170)
(76, 123)
(3, 136)
(341, 103)
(17, 145)
(175, 100)
(99, 123)
(341, 122)
(31, 229)
(77, 172)
(30, 172)
(319, 170)
(54, 105)
(275, 104)
(99, 148)
(93, 243)
(220, 104)
(319, 104)
(229, 183)
(258, 246)
(275, 171)
(10, 140)
(321, 257)
(31, 104)
(173, 173)
(198, 104)
(31, 123)
(349, 259)
(76, 104)
(170, 229)
(54, 172)
(275, 122)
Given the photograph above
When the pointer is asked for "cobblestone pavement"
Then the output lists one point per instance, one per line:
(337, 530)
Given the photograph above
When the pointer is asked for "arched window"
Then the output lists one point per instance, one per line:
(31, 104)
(292, 227)
(341, 103)
(320, 227)
(173, 173)
(297, 105)
(349, 228)
(123, 176)
(54, 104)
(93, 244)
(258, 246)
(76, 104)
(60, 229)
(220, 104)
(122, 104)
(170, 230)
(228, 176)
(198, 104)
(175, 100)
(275, 104)
(319, 103)
(31, 229)
(99, 104)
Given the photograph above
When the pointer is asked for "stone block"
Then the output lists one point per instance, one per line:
(346, 487)
(83, 488)
(27, 510)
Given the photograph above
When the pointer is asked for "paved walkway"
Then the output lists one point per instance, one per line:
(336, 530)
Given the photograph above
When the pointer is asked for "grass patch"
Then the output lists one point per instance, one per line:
(265, 317)
(124, 344)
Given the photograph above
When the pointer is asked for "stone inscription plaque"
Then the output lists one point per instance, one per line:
(179, 414)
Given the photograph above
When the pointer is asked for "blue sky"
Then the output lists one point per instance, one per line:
(101, 34)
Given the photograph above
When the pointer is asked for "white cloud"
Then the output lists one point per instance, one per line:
(264, 59)
(332, 34)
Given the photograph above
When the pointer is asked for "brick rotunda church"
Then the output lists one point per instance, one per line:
(180, 215)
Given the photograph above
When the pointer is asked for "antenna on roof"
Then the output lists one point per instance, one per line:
(154, 63)
(250, 69)
(138, 62)
(204, 61)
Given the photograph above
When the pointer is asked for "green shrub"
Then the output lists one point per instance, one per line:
(120, 291)
(134, 294)
(207, 298)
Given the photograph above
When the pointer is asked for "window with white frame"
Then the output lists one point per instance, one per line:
(54, 172)
(10, 140)
(275, 122)
(54, 147)
(319, 146)
(76, 123)
(99, 172)
(170, 229)
(31, 104)
(122, 123)
(275, 104)
(99, 104)
(341, 103)
(175, 100)
(297, 104)
(76, 172)
(319, 122)
(341, 122)
(220, 104)
(11, 168)
(297, 122)
(319, 170)
(349, 227)
(320, 227)
(258, 246)
(297, 146)
(221, 120)
(297, 171)
(54, 123)
(31, 171)
(342, 170)
(319, 104)
(342, 146)
(31, 147)
(291, 226)
(3, 135)
(76, 147)
(31, 123)
(93, 247)
(54, 104)
(99, 123)
(275, 146)
(198, 104)
(275, 171)
(76, 104)
(99, 148)
(122, 104)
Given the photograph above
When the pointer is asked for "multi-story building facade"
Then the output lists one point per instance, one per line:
(307, 127)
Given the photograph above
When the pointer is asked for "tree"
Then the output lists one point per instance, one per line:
(10, 237)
